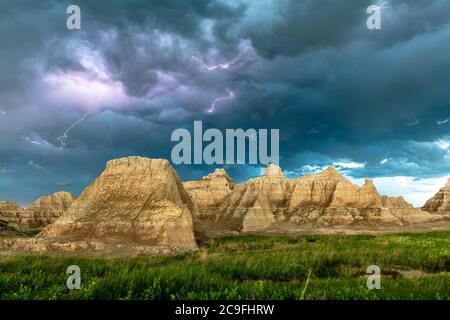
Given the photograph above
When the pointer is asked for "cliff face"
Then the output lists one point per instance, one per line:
(326, 199)
(440, 203)
(136, 206)
(11, 215)
(209, 193)
(42, 212)
(49, 208)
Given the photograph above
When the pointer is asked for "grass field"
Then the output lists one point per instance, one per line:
(413, 266)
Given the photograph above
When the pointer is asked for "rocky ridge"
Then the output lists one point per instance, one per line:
(42, 212)
(139, 206)
(209, 193)
(440, 203)
(325, 199)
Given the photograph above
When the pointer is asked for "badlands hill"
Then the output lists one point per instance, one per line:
(273, 200)
(440, 203)
(42, 212)
(139, 206)
(136, 206)
(210, 193)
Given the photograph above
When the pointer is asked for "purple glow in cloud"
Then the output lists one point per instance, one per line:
(79, 89)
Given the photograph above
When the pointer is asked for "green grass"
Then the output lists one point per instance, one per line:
(247, 267)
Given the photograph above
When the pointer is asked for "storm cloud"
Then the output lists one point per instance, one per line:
(339, 93)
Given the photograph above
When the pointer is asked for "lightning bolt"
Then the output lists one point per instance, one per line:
(62, 139)
(2, 112)
(225, 65)
(222, 66)
(212, 106)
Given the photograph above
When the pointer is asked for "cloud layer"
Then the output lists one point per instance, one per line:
(375, 103)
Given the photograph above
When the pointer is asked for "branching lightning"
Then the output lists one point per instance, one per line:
(225, 65)
(62, 139)
(212, 106)
(222, 66)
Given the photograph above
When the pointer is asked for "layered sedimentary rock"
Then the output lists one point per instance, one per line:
(11, 215)
(140, 206)
(209, 193)
(49, 208)
(42, 212)
(136, 206)
(440, 203)
(326, 199)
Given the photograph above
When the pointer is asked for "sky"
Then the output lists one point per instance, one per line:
(373, 103)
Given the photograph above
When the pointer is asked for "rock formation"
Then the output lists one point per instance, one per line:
(440, 203)
(325, 199)
(140, 206)
(209, 193)
(42, 212)
(273, 171)
(11, 215)
(49, 208)
(136, 206)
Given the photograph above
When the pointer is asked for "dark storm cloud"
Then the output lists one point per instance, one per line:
(152, 36)
(302, 26)
(338, 91)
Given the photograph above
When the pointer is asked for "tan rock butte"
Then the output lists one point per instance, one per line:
(136, 206)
